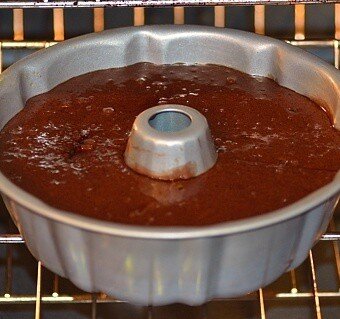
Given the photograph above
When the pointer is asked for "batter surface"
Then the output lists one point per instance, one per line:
(67, 145)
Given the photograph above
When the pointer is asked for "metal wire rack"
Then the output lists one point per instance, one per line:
(8, 241)
(56, 297)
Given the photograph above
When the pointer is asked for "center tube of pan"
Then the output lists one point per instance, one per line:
(170, 142)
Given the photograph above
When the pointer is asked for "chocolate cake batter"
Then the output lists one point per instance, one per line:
(66, 146)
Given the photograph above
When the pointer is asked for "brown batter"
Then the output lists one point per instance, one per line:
(66, 147)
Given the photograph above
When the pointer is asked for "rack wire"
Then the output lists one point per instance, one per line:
(261, 296)
(8, 241)
(145, 3)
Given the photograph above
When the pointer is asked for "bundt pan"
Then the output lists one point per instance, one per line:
(156, 265)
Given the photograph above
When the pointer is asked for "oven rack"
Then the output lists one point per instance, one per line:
(8, 241)
(139, 14)
(145, 3)
(261, 296)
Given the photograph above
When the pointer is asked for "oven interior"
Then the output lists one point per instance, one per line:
(28, 290)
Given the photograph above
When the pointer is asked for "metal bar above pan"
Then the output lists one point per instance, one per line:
(17, 239)
(147, 3)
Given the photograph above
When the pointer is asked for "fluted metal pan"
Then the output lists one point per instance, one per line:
(155, 265)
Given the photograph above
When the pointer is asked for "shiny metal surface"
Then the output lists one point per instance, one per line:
(286, 293)
(59, 301)
(170, 142)
(161, 265)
